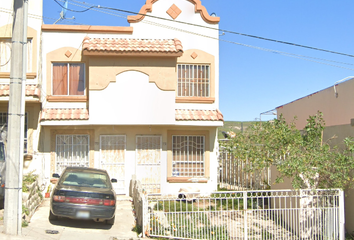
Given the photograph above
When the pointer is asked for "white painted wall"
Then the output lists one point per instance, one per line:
(132, 100)
(192, 37)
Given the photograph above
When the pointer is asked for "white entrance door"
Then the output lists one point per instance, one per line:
(148, 162)
(112, 156)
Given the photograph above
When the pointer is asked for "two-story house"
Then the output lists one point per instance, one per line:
(140, 100)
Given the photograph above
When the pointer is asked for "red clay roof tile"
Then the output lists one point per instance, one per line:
(64, 114)
(117, 45)
(198, 115)
(31, 90)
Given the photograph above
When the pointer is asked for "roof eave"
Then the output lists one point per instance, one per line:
(132, 54)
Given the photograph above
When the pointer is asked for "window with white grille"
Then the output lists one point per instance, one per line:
(193, 80)
(72, 151)
(5, 55)
(3, 121)
(188, 156)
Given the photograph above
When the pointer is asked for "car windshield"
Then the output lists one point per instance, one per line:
(85, 179)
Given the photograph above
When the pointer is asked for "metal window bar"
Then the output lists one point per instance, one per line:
(271, 214)
(72, 151)
(193, 80)
(188, 156)
(3, 121)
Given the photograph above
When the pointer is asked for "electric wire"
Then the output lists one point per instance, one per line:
(302, 57)
(298, 56)
(74, 10)
(211, 28)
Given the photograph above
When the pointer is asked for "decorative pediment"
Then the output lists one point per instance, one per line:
(199, 8)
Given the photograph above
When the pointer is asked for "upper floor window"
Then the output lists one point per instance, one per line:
(68, 79)
(193, 81)
(5, 55)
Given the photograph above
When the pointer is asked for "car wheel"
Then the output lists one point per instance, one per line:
(110, 221)
(52, 216)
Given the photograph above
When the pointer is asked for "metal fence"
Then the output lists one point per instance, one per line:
(235, 174)
(281, 214)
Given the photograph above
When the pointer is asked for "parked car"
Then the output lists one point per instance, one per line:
(83, 193)
(2, 170)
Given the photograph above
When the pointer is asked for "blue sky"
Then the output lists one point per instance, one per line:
(253, 81)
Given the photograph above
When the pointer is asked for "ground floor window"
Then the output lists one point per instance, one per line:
(4, 125)
(72, 151)
(188, 156)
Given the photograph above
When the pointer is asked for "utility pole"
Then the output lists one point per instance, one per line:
(16, 115)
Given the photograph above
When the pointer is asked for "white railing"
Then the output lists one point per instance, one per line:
(271, 214)
(236, 174)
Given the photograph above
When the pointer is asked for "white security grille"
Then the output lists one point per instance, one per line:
(188, 156)
(193, 81)
(148, 160)
(265, 215)
(112, 156)
(72, 151)
(3, 121)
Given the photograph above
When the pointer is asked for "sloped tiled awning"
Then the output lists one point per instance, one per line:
(64, 114)
(198, 115)
(52, 114)
(31, 90)
(132, 47)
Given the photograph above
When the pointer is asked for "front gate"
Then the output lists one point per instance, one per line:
(112, 155)
(148, 162)
(311, 214)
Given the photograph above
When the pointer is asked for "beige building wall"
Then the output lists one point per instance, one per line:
(336, 104)
(337, 110)
(206, 184)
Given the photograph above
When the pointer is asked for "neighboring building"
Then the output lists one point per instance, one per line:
(33, 104)
(140, 100)
(336, 104)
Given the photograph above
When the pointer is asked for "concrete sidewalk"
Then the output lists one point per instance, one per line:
(78, 229)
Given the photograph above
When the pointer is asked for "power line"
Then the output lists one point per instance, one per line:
(74, 10)
(302, 57)
(217, 29)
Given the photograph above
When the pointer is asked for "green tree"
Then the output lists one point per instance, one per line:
(299, 155)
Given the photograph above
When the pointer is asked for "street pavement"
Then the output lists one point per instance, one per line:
(67, 229)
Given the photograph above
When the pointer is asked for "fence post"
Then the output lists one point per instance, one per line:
(342, 216)
(143, 213)
(245, 213)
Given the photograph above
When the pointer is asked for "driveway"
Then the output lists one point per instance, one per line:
(79, 229)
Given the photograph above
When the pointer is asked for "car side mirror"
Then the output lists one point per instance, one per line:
(55, 175)
(113, 180)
